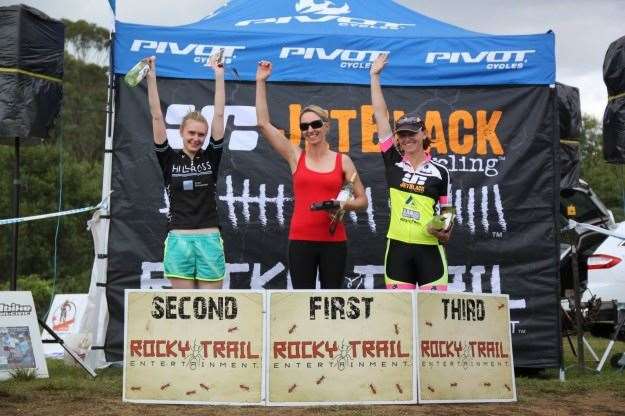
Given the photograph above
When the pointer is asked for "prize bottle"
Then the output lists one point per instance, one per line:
(444, 220)
(137, 73)
(346, 193)
(217, 57)
(438, 222)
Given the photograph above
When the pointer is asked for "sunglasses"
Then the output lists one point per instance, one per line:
(406, 135)
(409, 119)
(316, 124)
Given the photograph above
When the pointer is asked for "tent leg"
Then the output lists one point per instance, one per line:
(16, 213)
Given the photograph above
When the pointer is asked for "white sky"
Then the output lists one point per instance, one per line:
(584, 28)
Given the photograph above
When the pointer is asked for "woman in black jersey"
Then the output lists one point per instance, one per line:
(194, 255)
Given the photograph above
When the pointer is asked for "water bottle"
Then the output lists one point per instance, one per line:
(444, 220)
(137, 73)
(218, 57)
(346, 191)
(345, 194)
(437, 222)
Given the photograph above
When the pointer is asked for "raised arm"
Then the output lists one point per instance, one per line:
(158, 123)
(377, 98)
(217, 125)
(276, 138)
(360, 199)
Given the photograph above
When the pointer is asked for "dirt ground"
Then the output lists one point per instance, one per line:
(51, 403)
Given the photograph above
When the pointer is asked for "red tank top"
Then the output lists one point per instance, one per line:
(308, 187)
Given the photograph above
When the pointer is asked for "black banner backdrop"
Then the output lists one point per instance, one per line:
(499, 144)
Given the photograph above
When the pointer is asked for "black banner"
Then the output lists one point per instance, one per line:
(31, 72)
(499, 145)
(570, 166)
(614, 114)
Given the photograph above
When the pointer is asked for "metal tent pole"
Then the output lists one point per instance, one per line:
(16, 212)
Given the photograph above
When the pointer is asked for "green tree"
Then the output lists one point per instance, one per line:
(607, 180)
(83, 115)
(87, 41)
(39, 194)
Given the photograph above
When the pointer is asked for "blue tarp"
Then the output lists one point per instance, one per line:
(335, 42)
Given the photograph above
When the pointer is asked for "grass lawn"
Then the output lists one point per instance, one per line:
(70, 391)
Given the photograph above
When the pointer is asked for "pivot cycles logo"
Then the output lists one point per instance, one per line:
(325, 7)
(311, 11)
(492, 60)
(348, 58)
(200, 52)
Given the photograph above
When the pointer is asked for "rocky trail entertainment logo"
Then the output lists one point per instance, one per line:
(343, 353)
(463, 353)
(194, 353)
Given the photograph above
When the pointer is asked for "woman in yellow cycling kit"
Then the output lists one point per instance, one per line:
(414, 255)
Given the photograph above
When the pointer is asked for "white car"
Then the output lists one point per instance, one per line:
(606, 269)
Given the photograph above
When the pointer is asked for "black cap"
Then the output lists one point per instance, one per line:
(409, 123)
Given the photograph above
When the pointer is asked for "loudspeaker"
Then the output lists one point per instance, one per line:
(570, 127)
(31, 73)
(614, 115)
(569, 112)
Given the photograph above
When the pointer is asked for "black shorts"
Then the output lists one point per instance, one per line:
(416, 264)
(308, 257)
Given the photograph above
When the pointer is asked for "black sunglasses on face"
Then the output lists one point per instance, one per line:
(315, 124)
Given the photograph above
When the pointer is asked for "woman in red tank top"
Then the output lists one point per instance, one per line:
(318, 175)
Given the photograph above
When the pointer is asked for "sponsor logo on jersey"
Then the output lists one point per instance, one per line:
(410, 214)
(414, 178)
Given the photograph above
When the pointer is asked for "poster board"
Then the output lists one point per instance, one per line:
(20, 342)
(464, 348)
(194, 347)
(64, 318)
(340, 347)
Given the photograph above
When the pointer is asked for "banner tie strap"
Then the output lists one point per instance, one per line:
(614, 97)
(30, 74)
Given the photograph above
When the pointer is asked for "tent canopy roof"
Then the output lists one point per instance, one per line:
(295, 18)
(335, 42)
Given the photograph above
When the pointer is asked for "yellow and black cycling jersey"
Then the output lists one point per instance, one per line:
(414, 193)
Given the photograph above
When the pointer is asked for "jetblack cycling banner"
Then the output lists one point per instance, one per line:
(499, 145)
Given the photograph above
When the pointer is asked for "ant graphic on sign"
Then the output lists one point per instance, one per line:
(466, 356)
(344, 357)
(195, 357)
